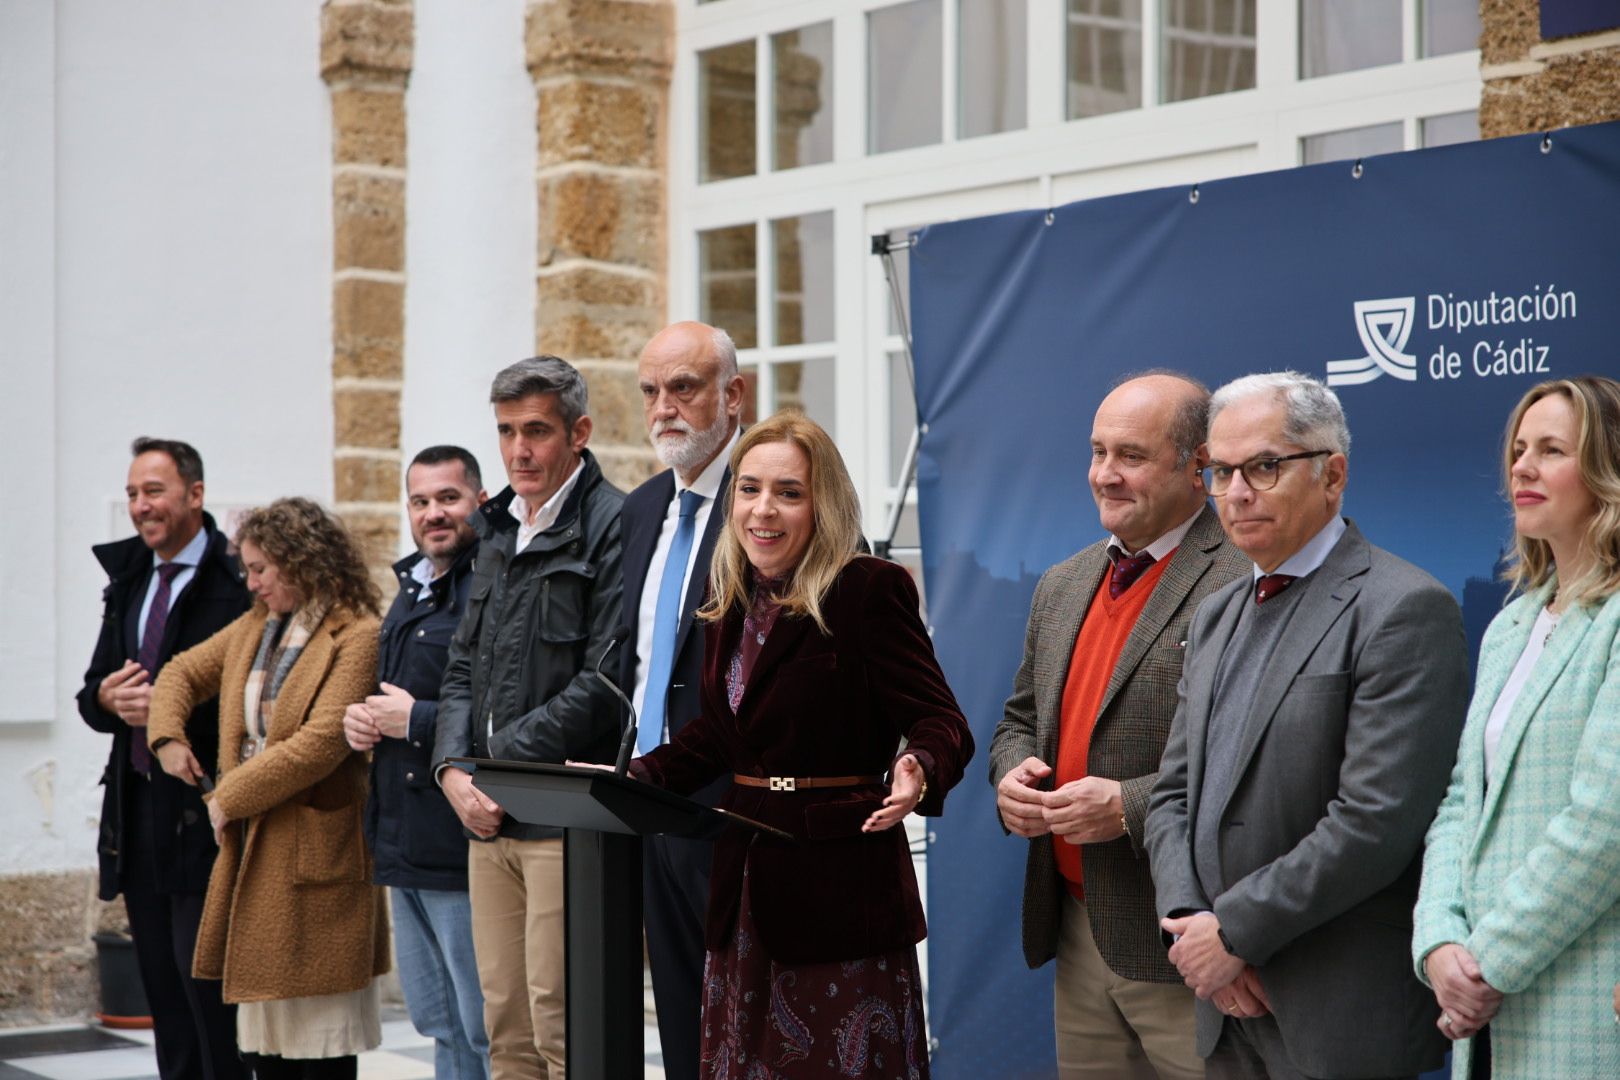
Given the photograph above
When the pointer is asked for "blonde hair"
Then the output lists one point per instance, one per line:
(1596, 401)
(835, 518)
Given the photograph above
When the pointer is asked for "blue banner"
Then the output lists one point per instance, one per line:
(1431, 287)
(1564, 18)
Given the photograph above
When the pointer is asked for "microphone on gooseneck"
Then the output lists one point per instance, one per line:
(628, 741)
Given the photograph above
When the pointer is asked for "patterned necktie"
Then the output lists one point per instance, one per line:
(1126, 569)
(666, 619)
(1270, 585)
(157, 618)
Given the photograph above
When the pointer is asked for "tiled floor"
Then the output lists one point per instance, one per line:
(91, 1052)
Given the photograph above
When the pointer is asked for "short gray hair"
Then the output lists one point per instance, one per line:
(1189, 426)
(725, 351)
(543, 375)
(1312, 416)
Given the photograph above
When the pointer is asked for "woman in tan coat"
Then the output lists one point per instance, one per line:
(291, 924)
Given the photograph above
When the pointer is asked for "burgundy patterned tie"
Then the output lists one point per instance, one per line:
(1126, 569)
(1270, 585)
(157, 617)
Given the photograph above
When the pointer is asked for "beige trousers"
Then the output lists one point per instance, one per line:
(1109, 1027)
(516, 888)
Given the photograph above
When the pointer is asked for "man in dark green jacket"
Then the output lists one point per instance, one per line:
(542, 609)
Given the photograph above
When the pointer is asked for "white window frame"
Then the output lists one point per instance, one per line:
(1050, 162)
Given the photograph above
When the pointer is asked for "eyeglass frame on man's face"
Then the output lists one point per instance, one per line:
(1268, 461)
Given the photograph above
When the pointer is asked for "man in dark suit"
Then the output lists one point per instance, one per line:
(1321, 704)
(692, 396)
(1078, 746)
(169, 588)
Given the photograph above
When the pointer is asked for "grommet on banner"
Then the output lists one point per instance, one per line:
(1050, 217)
(1355, 171)
(1546, 144)
(1192, 196)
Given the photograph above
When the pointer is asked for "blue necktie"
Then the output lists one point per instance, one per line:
(666, 619)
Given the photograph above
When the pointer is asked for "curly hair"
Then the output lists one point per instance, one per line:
(312, 549)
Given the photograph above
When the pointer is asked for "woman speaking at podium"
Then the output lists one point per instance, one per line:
(816, 666)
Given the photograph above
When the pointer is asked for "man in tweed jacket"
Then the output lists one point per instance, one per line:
(1078, 747)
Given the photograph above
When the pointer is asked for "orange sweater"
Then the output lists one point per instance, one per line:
(1096, 650)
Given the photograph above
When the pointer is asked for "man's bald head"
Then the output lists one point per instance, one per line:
(691, 394)
(1147, 453)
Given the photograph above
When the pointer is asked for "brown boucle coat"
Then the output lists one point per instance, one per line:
(291, 911)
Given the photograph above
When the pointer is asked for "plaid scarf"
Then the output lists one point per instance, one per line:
(278, 652)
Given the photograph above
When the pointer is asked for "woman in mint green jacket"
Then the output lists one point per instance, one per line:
(1517, 927)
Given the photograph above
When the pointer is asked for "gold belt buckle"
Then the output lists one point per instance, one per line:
(783, 783)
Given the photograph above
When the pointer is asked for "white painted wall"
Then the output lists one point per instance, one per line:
(165, 261)
(471, 219)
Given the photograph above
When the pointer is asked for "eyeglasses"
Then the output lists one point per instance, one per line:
(1259, 473)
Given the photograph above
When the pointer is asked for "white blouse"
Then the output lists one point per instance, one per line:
(1546, 623)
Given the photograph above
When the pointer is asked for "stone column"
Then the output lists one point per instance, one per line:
(366, 53)
(601, 77)
(1536, 85)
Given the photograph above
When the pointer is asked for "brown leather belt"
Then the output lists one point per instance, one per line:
(803, 783)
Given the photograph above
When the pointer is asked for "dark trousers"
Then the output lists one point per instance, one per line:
(194, 1030)
(274, 1067)
(675, 897)
(1251, 1050)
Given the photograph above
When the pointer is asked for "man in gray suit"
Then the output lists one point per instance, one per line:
(1077, 750)
(1320, 709)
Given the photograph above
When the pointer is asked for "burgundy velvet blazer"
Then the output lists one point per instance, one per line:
(819, 704)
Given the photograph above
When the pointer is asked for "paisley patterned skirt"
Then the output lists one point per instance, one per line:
(768, 1021)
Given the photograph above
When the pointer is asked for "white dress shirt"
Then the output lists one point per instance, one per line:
(707, 485)
(546, 516)
(1165, 544)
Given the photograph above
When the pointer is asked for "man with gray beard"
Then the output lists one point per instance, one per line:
(692, 397)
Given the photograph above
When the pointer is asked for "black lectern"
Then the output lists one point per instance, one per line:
(603, 816)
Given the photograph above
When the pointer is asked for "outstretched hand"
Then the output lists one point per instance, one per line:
(905, 792)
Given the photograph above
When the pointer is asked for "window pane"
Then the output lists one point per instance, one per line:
(1449, 26)
(1208, 47)
(1104, 56)
(902, 414)
(750, 406)
(804, 272)
(1352, 143)
(991, 52)
(1335, 36)
(904, 76)
(1457, 127)
(726, 272)
(807, 385)
(803, 64)
(726, 117)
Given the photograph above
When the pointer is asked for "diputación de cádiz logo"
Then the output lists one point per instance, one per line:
(1502, 325)
(1384, 327)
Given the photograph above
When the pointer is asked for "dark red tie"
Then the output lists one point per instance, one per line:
(1126, 569)
(1270, 585)
(157, 618)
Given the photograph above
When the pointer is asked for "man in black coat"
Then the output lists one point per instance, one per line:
(169, 588)
(417, 847)
(692, 397)
(519, 685)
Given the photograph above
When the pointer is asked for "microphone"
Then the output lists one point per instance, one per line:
(628, 740)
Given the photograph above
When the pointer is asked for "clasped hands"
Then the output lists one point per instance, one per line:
(1467, 1001)
(382, 715)
(1212, 972)
(1085, 811)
